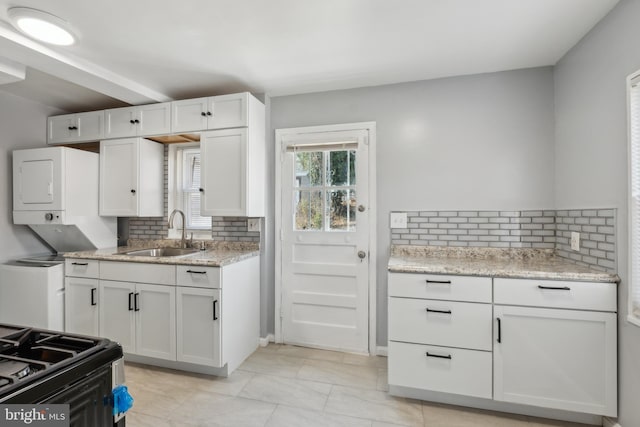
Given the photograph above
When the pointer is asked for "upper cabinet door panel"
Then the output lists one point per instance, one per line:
(154, 119)
(120, 122)
(228, 111)
(75, 127)
(189, 115)
(118, 177)
(90, 126)
(60, 129)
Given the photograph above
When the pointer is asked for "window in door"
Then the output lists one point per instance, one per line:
(324, 194)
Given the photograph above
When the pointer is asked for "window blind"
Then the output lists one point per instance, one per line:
(634, 198)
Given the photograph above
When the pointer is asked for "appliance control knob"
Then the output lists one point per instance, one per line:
(48, 216)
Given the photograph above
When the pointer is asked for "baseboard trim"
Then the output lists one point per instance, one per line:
(609, 422)
(264, 341)
(381, 351)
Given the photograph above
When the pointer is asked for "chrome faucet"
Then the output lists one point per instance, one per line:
(183, 240)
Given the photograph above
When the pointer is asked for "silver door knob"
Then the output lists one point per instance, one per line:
(362, 254)
(361, 208)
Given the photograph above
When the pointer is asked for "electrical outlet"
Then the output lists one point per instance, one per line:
(253, 224)
(398, 220)
(575, 241)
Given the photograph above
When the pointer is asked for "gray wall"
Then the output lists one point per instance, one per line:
(591, 155)
(482, 142)
(23, 124)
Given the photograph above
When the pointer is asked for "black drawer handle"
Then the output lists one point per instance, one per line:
(499, 330)
(135, 300)
(555, 288)
(79, 263)
(215, 316)
(439, 356)
(130, 301)
(443, 282)
(429, 310)
(93, 296)
(196, 272)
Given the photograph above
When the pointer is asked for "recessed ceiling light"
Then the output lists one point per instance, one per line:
(42, 26)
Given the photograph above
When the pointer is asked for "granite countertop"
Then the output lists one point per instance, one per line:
(493, 262)
(217, 254)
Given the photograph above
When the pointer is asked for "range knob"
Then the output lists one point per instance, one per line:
(48, 216)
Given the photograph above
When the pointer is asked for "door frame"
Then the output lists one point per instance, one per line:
(370, 127)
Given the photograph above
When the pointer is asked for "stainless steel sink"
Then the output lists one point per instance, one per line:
(161, 252)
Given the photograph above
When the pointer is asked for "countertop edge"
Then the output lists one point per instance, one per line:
(218, 261)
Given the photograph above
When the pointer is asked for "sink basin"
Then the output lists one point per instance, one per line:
(162, 252)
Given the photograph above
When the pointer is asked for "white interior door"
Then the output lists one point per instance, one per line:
(325, 240)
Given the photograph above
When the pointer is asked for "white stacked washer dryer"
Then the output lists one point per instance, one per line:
(55, 193)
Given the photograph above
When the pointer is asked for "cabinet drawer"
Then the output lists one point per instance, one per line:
(198, 276)
(435, 322)
(454, 288)
(138, 272)
(458, 371)
(81, 267)
(556, 294)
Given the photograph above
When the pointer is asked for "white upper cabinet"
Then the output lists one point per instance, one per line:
(214, 112)
(75, 127)
(131, 177)
(142, 120)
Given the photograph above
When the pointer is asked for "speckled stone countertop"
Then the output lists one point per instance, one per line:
(217, 254)
(493, 262)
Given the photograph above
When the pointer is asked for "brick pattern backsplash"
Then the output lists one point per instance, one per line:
(231, 229)
(597, 228)
(541, 229)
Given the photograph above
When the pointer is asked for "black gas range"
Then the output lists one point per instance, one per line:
(39, 366)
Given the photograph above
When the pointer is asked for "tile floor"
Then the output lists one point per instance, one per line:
(282, 385)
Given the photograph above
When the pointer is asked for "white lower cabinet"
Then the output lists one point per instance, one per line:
(81, 305)
(549, 344)
(198, 326)
(141, 317)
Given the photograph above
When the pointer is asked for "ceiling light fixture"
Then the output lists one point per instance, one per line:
(42, 26)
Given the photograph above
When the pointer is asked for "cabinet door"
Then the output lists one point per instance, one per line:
(227, 111)
(81, 306)
(117, 320)
(563, 359)
(155, 307)
(189, 115)
(61, 129)
(154, 119)
(119, 177)
(198, 322)
(120, 122)
(224, 173)
(90, 126)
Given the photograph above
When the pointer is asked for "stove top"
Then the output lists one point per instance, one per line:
(28, 354)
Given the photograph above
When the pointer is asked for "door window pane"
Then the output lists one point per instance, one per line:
(308, 210)
(341, 168)
(341, 205)
(309, 166)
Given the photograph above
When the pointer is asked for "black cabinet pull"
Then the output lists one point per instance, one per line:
(555, 288)
(132, 122)
(73, 128)
(133, 191)
(209, 113)
(201, 190)
(439, 356)
(93, 296)
(438, 311)
(203, 114)
(135, 302)
(130, 301)
(136, 121)
(196, 272)
(444, 282)
(79, 263)
(215, 316)
(499, 330)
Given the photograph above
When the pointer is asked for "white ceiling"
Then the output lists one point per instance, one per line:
(144, 51)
